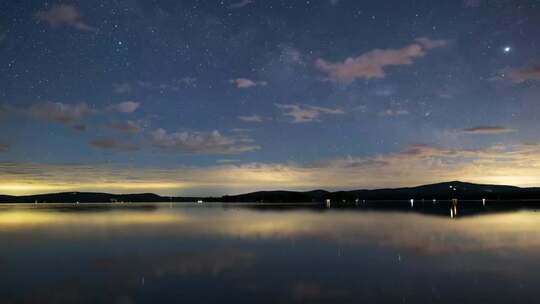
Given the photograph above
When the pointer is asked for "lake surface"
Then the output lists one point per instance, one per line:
(182, 253)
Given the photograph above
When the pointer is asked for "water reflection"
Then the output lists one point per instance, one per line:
(208, 254)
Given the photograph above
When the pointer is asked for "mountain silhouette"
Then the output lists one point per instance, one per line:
(439, 191)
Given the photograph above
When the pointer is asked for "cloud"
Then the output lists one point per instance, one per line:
(306, 113)
(227, 161)
(372, 64)
(67, 114)
(4, 147)
(290, 55)
(251, 118)
(526, 74)
(124, 107)
(122, 88)
(429, 44)
(113, 144)
(244, 83)
(64, 15)
(488, 130)
(515, 164)
(202, 142)
(174, 85)
(125, 126)
(390, 112)
(188, 81)
(240, 4)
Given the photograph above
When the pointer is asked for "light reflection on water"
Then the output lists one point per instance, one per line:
(212, 254)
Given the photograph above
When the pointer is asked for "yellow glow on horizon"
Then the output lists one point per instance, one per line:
(234, 179)
(24, 188)
(36, 187)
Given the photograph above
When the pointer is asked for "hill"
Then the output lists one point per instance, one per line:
(439, 191)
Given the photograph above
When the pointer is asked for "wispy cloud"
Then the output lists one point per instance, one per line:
(488, 130)
(392, 112)
(244, 83)
(251, 118)
(373, 63)
(125, 126)
(525, 74)
(122, 88)
(124, 107)
(67, 114)
(516, 164)
(227, 161)
(290, 55)
(307, 113)
(188, 81)
(113, 144)
(202, 142)
(173, 85)
(240, 4)
(64, 15)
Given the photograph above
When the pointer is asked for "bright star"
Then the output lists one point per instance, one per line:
(507, 49)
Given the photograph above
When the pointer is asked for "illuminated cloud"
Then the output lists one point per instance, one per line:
(202, 142)
(251, 118)
(125, 107)
(526, 74)
(244, 83)
(517, 164)
(372, 64)
(64, 15)
(488, 130)
(67, 114)
(240, 4)
(306, 113)
(113, 144)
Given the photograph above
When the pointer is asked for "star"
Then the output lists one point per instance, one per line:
(507, 49)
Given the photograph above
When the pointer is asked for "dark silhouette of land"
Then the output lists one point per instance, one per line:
(432, 193)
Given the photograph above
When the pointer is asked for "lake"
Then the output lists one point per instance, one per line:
(210, 253)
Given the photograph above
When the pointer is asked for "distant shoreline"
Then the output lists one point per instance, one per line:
(440, 192)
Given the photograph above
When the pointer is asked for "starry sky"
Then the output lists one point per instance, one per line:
(220, 97)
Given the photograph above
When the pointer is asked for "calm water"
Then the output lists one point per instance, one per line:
(201, 254)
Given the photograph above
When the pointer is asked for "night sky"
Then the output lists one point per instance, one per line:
(219, 97)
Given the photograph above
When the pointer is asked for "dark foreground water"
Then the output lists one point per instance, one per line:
(202, 254)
